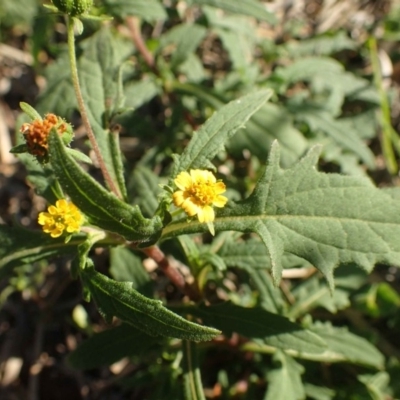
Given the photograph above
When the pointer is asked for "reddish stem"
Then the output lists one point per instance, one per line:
(172, 273)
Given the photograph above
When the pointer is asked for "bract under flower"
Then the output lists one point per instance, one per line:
(198, 192)
(63, 217)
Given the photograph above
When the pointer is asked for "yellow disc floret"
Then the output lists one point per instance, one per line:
(63, 217)
(198, 192)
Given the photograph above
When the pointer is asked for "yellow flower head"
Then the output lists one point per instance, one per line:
(37, 132)
(198, 191)
(64, 216)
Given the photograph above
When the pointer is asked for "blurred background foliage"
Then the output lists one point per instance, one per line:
(334, 67)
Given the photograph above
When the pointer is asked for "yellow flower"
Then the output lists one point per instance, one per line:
(199, 191)
(64, 216)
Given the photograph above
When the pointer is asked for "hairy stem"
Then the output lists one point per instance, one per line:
(82, 109)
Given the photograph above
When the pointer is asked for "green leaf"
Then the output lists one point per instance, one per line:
(149, 10)
(30, 111)
(251, 8)
(91, 78)
(320, 120)
(19, 246)
(186, 38)
(109, 346)
(139, 93)
(119, 299)
(192, 385)
(145, 184)
(257, 323)
(211, 137)
(320, 45)
(344, 346)
(318, 392)
(326, 219)
(284, 380)
(126, 266)
(100, 206)
(59, 95)
(269, 123)
(377, 385)
(341, 346)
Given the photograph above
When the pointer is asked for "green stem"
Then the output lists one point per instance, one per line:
(82, 109)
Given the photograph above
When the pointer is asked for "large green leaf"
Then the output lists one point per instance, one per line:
(259, 324)
(109, 346)
(100, 206)
(326, 219)
(119, 299)
(223, 124)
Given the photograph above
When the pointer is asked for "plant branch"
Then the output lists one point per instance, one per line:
(137, 38)
(155, 253)
(82, 109)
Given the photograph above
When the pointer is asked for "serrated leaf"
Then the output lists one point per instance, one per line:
(326, 219)
(284, 380)
(212, 136)
(100, 206)
(257, 323)
(251, 8)
(149, 10)
(109, 346)
(119, 299)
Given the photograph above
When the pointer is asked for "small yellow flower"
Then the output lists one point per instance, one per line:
(64, 216)
(199, 191)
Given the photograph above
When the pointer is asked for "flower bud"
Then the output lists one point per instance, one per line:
(73, 7)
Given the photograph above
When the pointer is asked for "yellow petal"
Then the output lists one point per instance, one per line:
(183, 180)
(219, 188)
(220, 201)
(178, 198)
(190, 207)
(206, 214)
